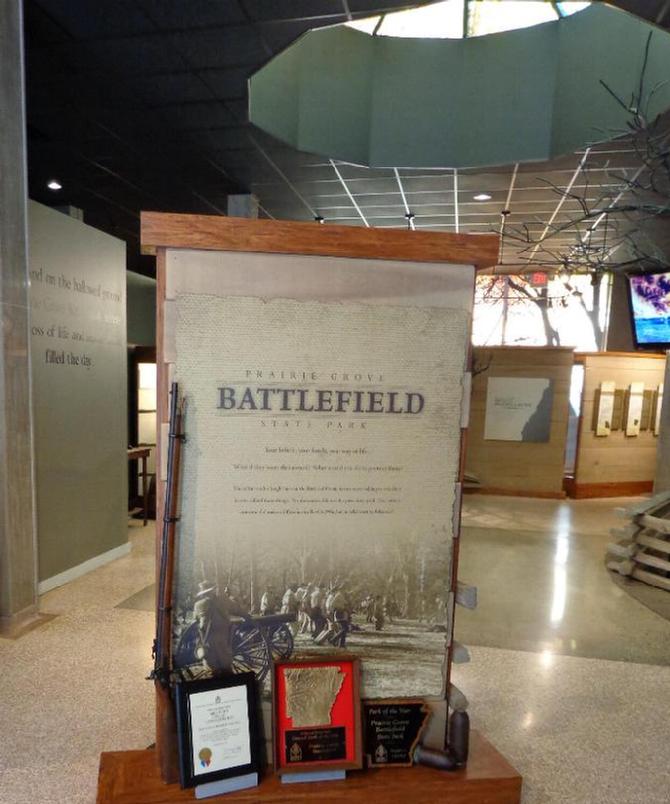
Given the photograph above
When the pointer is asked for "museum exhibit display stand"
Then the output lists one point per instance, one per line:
(325, 372)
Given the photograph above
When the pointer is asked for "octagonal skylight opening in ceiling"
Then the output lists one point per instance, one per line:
(448, 19)
(478, 101)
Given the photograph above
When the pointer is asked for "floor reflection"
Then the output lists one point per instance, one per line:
(560, 576)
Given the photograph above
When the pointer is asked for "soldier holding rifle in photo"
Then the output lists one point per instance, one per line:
(303, 595)
(268, 602)
(316, 603)
(289, 605)
(340, 617)
(214, 628)
(378, 612)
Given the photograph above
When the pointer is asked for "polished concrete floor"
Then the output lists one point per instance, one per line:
(569, 674)
(543, 585)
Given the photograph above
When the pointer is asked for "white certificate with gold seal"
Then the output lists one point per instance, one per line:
(217, 728)
(220, 729)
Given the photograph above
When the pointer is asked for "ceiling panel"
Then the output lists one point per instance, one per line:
(170, 88)
(416, 197)
(205, 49)
(177, 15)
(84, 20)
(293, 9)
(197, 115)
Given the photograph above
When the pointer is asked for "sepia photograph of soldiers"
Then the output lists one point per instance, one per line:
(243, 614)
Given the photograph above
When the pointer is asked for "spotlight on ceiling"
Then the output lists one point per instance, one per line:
(54, 185)
(482, 197)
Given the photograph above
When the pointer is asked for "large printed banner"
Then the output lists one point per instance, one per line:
(324, 411)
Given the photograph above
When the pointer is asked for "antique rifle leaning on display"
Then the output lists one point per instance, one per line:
(162, 648)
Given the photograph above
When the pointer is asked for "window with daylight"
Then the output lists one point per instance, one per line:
(455, 19)
(539, 310)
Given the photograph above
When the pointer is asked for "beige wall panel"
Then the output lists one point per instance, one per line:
(616, 458)
(514, 466)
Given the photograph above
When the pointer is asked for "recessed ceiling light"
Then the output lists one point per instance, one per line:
(482, 197)
(54, 185)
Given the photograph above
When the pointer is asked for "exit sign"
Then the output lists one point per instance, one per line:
(538, 279)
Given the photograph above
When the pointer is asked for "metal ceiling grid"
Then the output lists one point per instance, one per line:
(536, 204)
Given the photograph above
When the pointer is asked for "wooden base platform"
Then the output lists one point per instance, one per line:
(132, 777)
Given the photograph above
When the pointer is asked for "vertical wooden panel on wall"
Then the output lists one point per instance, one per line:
(616, 464)
(516, 467)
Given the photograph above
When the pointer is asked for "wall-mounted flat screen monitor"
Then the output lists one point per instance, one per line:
(650, 306)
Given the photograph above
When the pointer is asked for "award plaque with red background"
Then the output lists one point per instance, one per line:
(317, 714)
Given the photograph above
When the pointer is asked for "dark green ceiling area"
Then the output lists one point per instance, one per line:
(519, 96)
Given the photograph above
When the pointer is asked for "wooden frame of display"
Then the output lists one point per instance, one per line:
(161, 231)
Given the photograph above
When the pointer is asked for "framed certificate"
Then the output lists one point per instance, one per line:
(217, 728)
(317, 714)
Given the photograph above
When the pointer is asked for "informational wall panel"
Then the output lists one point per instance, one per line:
(634, 410)
(323, 425)
(78, 346)
(518, 409)
(504, 466)
(623, 462)
(605, 409)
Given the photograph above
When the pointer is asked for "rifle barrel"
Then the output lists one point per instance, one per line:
(162, 647)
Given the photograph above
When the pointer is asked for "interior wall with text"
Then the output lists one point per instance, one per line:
(78, 350)
(519, 418)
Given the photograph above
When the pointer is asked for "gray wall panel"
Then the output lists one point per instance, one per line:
(78, 344)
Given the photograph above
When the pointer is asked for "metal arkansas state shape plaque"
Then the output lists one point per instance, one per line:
(311, 693)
